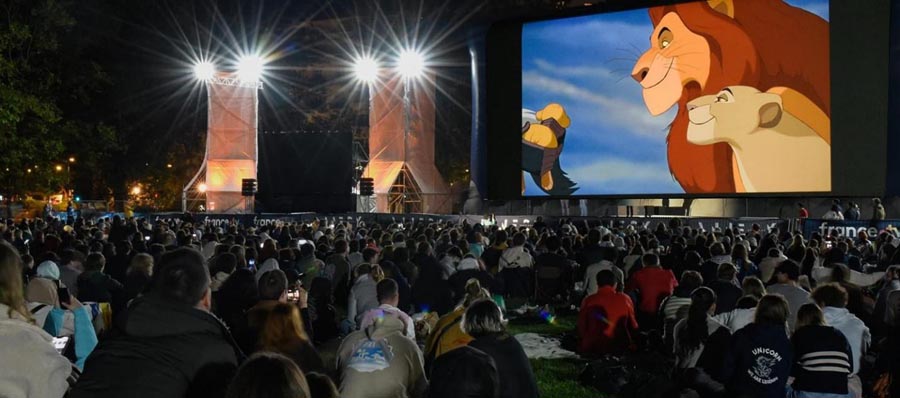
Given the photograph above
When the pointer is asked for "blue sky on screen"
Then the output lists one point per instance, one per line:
(613, 146)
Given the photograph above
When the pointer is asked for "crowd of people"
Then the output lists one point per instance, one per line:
(139, 308)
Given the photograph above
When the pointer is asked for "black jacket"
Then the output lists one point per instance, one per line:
(464, 372)
(516, 377)
(161, 349)
(727, 295)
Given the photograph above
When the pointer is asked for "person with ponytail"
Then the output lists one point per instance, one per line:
(32, 367)
(700, 340)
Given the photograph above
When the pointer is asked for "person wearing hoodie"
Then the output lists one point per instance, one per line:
(225, 264)
(759, 360)
(363, 297)
(31, 367)
(832, 298)
(167, 343)
(61, 319)
(516, 269)
(380, 361)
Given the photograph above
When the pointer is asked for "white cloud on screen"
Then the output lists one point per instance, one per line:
(630, 117)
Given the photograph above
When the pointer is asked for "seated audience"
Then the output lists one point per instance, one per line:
(607, 321)
(484, 322)
(363, 296)
(759, 361)
(727, 292)
(786, 275)
(94, 285)
(446, 334)
(700, 344)
(167, 344)
(138, 276)
(741, 316)
(31, 366)
(832, 298)
(322, 313)
(381, 361)
(822, 357)
(282, 332)
(675, 307)
(652, 284)
(268, 375)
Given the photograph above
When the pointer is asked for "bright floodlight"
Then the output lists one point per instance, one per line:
(250, 68)
(202, 187)
(204, 71)
(366, 70)
(411, 64)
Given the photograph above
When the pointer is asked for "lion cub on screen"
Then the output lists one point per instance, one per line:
(781, 140)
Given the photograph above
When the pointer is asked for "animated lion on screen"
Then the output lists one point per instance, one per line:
(699, 48)
(780, 141)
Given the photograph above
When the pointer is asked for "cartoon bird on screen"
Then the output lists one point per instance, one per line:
(543, 136)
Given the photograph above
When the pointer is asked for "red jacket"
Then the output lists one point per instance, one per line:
(606, 322)
(653, 285)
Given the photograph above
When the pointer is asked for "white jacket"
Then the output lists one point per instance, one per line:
(31, 367)
(516, 257)
(737, 318)
(854, 330)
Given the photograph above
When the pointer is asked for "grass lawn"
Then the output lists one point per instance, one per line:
(556, 378)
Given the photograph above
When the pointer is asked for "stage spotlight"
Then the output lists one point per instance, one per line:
(366, 70)
(201, 188)
(250, 68)
(204, 71)
(411, 64)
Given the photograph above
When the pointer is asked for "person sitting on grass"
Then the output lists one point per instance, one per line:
(484, 321)
(606, 322)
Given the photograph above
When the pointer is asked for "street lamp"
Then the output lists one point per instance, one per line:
(58, 168)
(136, 190)
(71, 159)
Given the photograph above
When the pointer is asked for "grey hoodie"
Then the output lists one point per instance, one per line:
(379, 361)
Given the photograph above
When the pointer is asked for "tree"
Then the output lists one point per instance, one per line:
(44, 84)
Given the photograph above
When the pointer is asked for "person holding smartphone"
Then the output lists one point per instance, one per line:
(32, 367)
(61, 315)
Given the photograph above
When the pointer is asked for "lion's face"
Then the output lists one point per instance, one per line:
(731, 113)
(676, 57)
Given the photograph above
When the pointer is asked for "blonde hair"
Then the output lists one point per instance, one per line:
(282, 330)
(376, 273)
(12, 293)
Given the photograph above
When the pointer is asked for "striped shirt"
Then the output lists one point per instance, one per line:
(823, 360)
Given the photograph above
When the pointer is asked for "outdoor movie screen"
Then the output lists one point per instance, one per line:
(704, 97)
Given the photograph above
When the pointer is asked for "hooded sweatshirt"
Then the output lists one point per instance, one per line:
(854, 330)
(516, 257)
(759, 361)
(379, 361)
(161, 349)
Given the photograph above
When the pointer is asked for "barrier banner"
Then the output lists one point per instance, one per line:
(258, 220)
(847, 227)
